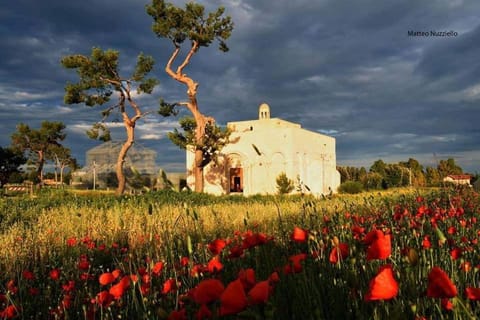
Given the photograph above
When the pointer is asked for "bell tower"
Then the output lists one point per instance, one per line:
(263, 111)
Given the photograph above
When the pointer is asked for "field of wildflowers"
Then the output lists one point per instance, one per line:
(409, 254)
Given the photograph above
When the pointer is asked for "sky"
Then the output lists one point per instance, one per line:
(390, 80)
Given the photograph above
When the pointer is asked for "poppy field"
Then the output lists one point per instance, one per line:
(406, 254)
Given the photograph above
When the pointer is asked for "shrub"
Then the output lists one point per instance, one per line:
(284, 184)
(351, 187)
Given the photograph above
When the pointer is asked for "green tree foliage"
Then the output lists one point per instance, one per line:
(352, 173)
(99, 82)
(10, 161)
(285, 185)
(446, 167)
(214, 140)
(193, 28)
(379, 167)
(404, 173)
(432, 176)
(373, 180)
(62, 158)
(415, 172)
(351, 187)
(37, 143)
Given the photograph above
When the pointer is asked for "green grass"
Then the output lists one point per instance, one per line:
(132, 233)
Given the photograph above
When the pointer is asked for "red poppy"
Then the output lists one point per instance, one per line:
(10, 312)
(214, 265)
(71, 242)
(357, 232)
(157, 268)
(104, 298)
(67, 301)
(134, 278)
(295, 265)
(142, 271)
(447, 304)
(472, 293)
(208, 291)
(259, 293)
(106, 278)
(440, 285)
(380, 246)
(426, 243)
(54, 274)
(456, 253)
(169, 286)
(466, 266)
(216, 246)
(196, 270)
(69, 286)
(178, 315)
(236, 252)
(204, 313)
(247, 277)
(451, 230)
(28, 275)
(251, 239)
(299, 235)
(233, 299)
(184, 261)
(11, 287)
(116, 273)
(83, 264)
(339, 252)
(274, 277)
(383, 286)
(118, 289)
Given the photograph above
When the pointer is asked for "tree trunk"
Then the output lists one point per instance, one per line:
(200, 121)
(130, 128)
(198, 170)
(41, 161)
(62, 168)
(192, 105)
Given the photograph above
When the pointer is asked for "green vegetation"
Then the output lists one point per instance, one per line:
(285, 185)
(100, 80)
(351, 187)
(73, 254)
(192, 28)
(383, 175)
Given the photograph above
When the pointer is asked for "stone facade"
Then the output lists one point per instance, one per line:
(260, 150)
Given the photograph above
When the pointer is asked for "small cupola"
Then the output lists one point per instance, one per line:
(263, 111)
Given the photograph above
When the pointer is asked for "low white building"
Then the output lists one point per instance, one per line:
(260, 150)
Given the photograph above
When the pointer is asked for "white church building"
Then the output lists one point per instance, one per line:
(260, 150)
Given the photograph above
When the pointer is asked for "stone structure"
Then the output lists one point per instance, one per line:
(260, 150)
(101, 164)
(104, 157)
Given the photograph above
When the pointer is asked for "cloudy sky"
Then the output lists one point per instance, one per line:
(348, 69)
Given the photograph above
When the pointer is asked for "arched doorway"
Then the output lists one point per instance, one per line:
(236, 180)
(235, 172)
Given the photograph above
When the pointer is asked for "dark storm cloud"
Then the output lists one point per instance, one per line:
(348, 69)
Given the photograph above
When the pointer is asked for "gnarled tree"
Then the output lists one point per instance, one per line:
(193, 26)
(62, 158)
(214, 139)
(99, 82)
(37, 143)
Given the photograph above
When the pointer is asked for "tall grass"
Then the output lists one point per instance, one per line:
(56, 230)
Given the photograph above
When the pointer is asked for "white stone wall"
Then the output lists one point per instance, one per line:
(266, 147)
